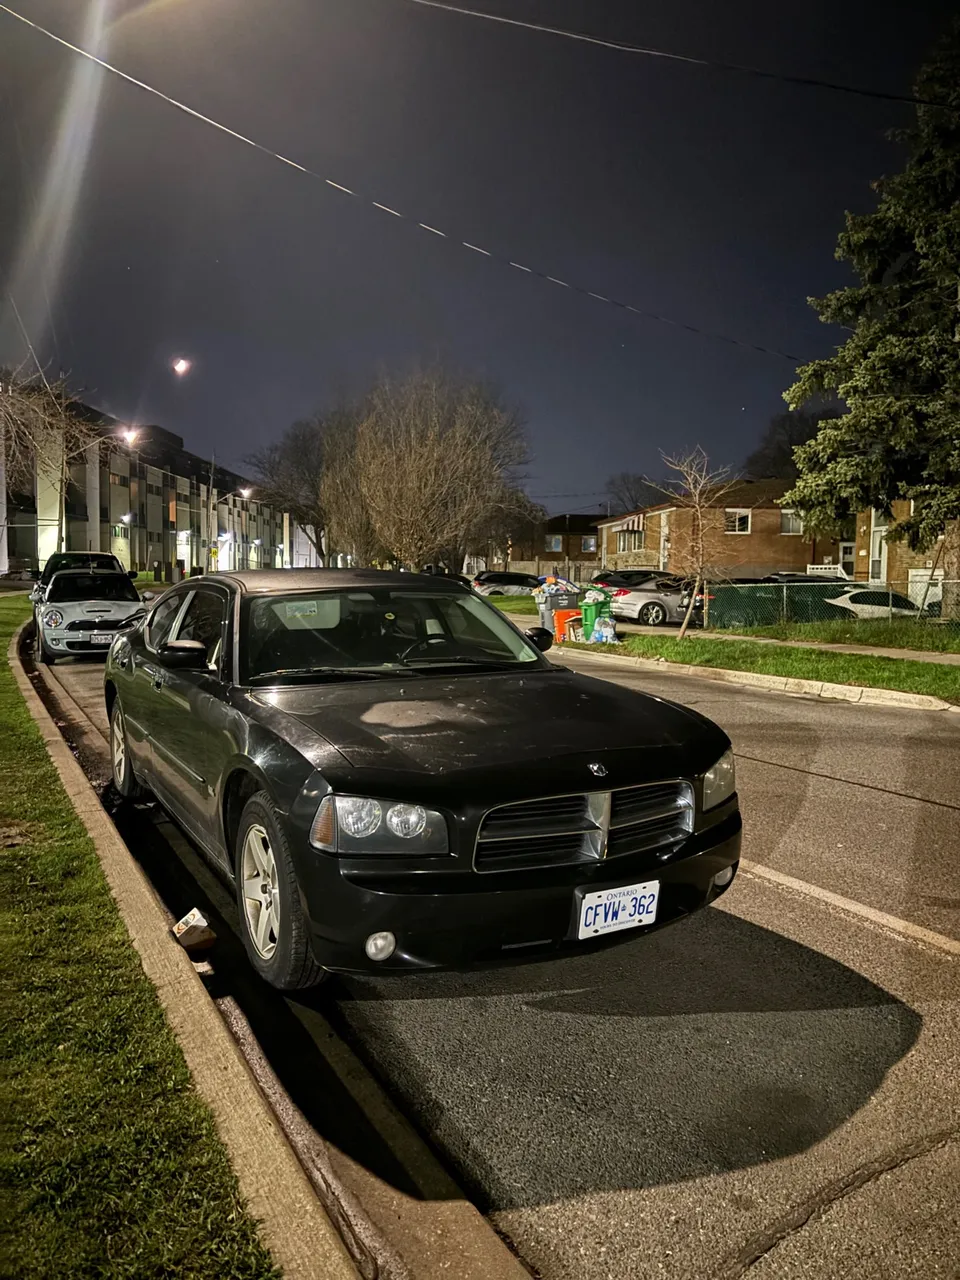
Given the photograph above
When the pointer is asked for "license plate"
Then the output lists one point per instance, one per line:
(101, 637)
(608, 910)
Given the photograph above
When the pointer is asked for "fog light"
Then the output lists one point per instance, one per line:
(723, 877)
(380, 946)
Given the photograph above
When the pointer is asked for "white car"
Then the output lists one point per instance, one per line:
(874, 602)
(80, 612)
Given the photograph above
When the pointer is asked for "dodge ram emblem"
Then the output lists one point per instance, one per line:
(597, 770)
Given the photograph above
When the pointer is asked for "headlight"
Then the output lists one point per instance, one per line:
(53, 618)
(360, 824)
(720, 782)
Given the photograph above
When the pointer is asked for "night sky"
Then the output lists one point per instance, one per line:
(700, 194)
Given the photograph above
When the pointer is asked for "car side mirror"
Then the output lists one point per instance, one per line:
(133, 573)
(183, 655)
(541, 637)
(147, 595)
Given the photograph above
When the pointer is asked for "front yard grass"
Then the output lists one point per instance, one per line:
(516, 604)
(938, 680)
(900, 633)
(110, 1163)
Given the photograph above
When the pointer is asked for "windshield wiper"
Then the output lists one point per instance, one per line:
(333, 673)
(490, 663)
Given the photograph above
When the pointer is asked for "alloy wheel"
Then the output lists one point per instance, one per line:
(261, 897)
(119, 748)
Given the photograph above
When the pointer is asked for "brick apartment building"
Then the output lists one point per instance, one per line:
(564, 544)
(748, 535)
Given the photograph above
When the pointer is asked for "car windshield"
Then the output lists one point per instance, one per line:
(69, 588)
(78, 561)
(379, 631)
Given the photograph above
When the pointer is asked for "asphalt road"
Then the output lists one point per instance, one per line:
(771, 1088)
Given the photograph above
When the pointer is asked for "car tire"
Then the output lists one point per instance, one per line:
(121, 766)
(272, 923)
(652, 615)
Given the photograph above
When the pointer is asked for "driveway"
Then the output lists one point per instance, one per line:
(771, 1088)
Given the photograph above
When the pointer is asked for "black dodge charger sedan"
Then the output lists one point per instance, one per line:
(396, 779)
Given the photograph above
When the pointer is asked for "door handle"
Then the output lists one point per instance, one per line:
(155, 674)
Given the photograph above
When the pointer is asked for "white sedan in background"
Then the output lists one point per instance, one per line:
(874, 602)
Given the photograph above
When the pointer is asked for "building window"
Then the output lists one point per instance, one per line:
(736, 520)
(629, 540)
(553, 542)
(588, 544)
(122, 481)
(790, 522)
(120, 531)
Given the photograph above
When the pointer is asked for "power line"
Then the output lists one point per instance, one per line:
(810, 82)
(394, 213)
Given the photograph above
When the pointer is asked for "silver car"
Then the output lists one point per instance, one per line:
(655, 602)
(80, 612)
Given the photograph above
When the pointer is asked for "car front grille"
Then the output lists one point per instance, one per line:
(93, 624)
(589, 827)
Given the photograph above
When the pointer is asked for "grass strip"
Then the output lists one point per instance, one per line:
(902, 633)
(939, 681)
(110, 1162)
(516, 604)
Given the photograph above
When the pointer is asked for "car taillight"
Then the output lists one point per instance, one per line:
(621, 592)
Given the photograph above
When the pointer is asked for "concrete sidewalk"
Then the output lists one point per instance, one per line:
(913, 655)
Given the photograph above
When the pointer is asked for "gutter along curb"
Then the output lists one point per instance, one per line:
(293, 1223)
(775, 684)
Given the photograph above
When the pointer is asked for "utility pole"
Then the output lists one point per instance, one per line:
(210, 526)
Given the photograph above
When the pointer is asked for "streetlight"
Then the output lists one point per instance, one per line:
(181, 366)
(129, 435)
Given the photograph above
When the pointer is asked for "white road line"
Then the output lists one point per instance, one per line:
(915, 932)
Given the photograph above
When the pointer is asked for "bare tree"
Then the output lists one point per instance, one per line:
(696, 544)
(289, 474)
(348, 523)
(628, 491)
(435, 459)
(41, 433)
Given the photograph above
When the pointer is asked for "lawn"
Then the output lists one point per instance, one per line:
(900, 633)
(516, 604)
(110, 1162)
(938, 680)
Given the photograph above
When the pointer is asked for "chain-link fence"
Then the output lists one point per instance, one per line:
(839, 604)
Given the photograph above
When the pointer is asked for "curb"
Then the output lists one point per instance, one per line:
(775, 684)
(293, 1223)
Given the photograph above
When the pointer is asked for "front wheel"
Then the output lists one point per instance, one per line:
(652, 615)
(271, 918)
(124, 779)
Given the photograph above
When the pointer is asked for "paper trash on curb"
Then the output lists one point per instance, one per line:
(193, 932)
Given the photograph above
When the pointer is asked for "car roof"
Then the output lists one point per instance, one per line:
(276, 581)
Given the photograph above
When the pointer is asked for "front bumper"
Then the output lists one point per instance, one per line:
(509, 918)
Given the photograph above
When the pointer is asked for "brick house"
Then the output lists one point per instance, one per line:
(917, 574)
(565, 544)
(749, 535)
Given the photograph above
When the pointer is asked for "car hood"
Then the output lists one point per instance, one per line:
(439, 725)
(112, 609)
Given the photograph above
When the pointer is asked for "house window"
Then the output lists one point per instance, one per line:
(629, 540)
(736, 520)
(790, 522)
(553, 542)
(122, 481)
(588, 544)
(121, 531)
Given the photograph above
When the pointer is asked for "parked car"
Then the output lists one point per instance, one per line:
(495, 583)
(614, 578)
(873, 602)
(396, 779)
(92, 561)
(80, 612)
(655, 602)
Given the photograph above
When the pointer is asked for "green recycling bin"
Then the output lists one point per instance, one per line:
(590, 613)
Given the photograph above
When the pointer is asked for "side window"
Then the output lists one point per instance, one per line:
(203, 621)
(162, 619)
